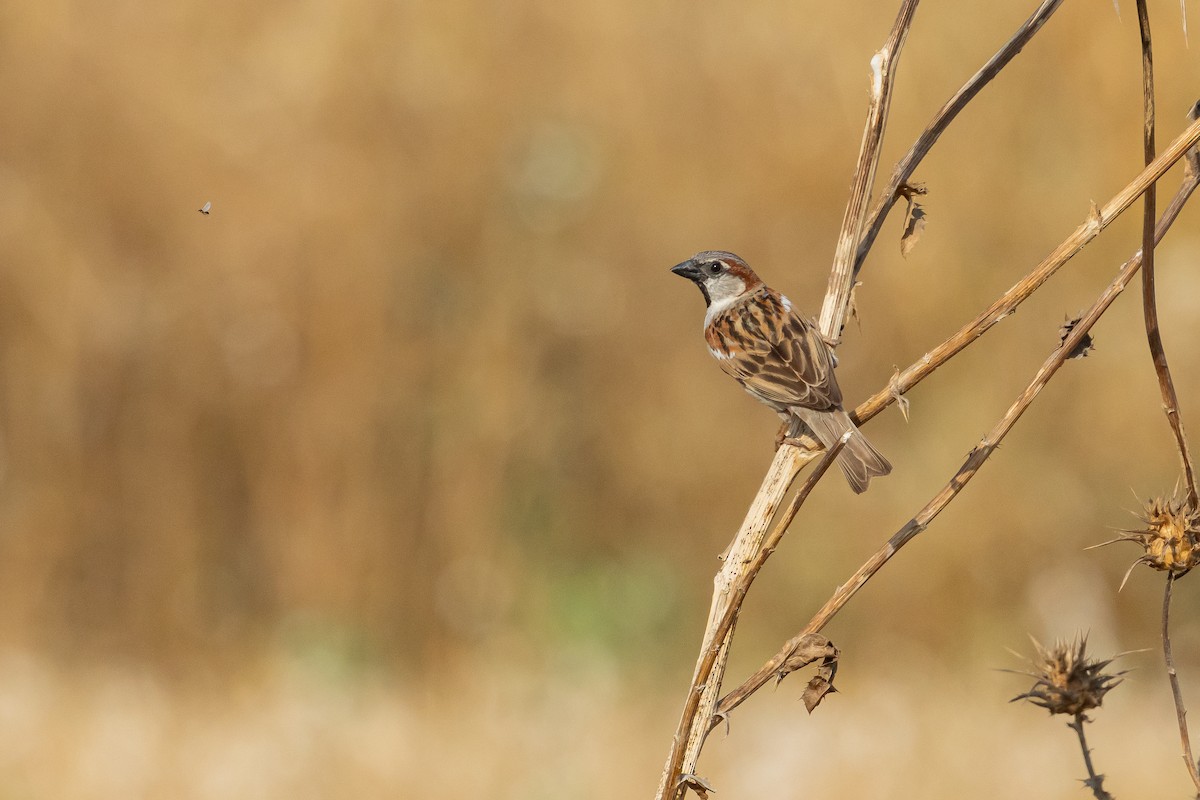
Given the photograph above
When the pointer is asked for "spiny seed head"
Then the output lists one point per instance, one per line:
(1085, 345)
(1171, 537)
(1066, 681)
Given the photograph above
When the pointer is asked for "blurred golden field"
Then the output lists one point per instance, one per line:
(403, 473)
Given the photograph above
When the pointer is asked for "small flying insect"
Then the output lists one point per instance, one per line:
(207, 208)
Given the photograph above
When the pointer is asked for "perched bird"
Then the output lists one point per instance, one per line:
(777, 356)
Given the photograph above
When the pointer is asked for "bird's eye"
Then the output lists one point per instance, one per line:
(715, 267)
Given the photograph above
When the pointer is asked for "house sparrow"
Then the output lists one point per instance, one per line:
(778, 357)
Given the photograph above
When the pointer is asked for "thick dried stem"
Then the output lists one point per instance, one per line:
(841, 277)
(678, 765)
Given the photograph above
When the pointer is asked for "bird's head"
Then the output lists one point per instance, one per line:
(721, 276)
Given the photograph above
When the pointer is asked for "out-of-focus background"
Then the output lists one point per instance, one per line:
(403, 473)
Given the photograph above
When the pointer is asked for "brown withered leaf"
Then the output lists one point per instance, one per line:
(811, 648)
(818, 686)
(1085, 345)
(852, 304)
(910, 190)
(894, 391)
(914, 226)
(697, 784)
(914, 216)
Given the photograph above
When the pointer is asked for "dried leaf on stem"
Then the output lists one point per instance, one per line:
(1086, 345)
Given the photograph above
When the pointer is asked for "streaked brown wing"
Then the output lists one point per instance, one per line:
(785, 365)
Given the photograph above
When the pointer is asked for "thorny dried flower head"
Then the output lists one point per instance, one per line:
(1066, 681)
(1085, 345)
(1171, 538)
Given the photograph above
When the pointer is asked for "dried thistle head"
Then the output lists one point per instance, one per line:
(1085, 345)
(1066, 681)
(1171, 537)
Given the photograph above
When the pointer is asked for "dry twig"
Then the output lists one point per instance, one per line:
(737, 594)
(1166, 384)
(1094, 781)
(1176, 693)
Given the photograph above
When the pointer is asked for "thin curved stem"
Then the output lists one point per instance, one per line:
(1094, 782)
(1166, 384)
(1176, 693)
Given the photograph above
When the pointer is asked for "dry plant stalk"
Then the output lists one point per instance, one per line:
(1094, 780)
(702, 712)
(1166, 387)
(737, 594)
(1166, 384)
(841, 278)
(1173, 678)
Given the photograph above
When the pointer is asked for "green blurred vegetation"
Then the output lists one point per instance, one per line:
(413, 441)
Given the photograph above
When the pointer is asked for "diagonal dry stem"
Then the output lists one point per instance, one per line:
(965, 473)
(906, 166)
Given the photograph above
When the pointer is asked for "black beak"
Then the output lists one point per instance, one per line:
(688, 269)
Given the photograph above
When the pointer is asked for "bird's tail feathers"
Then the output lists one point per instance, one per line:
(859, 459)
